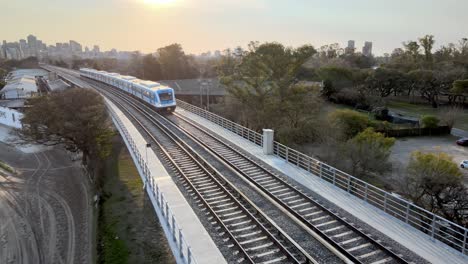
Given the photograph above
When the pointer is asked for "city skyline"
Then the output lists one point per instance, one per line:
(205, 25)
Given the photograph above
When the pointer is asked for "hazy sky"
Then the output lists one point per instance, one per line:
(201, 25)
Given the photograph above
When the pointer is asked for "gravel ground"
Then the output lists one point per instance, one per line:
(45, 212)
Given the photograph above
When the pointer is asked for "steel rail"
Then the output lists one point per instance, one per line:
(212, 146)
(212, 172)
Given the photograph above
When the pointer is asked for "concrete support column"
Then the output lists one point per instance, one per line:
(268, 138)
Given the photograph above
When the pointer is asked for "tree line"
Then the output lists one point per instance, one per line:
(168, 63)
(415, 70)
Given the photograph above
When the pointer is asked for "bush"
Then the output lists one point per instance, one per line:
(350, 121)
(429, 121)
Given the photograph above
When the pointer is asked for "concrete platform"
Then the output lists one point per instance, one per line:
(432, 250)
(203, 248)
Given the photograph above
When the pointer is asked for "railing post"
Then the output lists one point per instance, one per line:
(407, 212)
(173, 229)
(365, 191)
(167, 213)
(348, 188)
(465, 237)
(180, 243)
(189, 255)
(385, 202)
(320, 169)
(433, 225)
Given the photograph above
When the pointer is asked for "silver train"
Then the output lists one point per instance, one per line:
(160, 96)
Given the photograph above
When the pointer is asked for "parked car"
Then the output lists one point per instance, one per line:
(462, 142)
(464, 164)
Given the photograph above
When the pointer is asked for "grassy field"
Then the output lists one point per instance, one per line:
(417, 110)
(129, 230)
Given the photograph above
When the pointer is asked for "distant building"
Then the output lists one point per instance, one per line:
(367, 49)
(351, 47)
(75, 47)
(32, 43)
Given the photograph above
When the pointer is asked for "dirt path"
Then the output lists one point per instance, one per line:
(44, 209)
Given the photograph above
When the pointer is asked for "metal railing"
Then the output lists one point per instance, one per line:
(167, 216)
(242, 131)
(429, 223)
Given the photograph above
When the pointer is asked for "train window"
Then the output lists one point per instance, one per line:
(166, 96)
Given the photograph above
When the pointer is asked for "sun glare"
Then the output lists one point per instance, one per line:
(159, 2)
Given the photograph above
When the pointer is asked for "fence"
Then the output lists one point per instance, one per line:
(431, 224)
(166, 216)
(242, 131)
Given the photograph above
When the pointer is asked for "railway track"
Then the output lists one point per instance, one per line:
(243, 226)
(356, 245)
(347, 238)
(344, 236)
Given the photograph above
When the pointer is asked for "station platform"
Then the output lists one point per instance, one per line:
(202, 247)
(432, 250)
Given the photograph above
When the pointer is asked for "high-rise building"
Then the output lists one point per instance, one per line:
(351, 47)
(75, 47)
(24, 47)
(367, 49)
(32, 43)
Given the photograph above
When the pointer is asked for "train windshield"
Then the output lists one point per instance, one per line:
(165, 96)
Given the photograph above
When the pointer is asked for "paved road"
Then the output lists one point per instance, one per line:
(401, 151)
(45, 214)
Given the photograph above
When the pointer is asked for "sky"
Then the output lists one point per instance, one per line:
(202, 25)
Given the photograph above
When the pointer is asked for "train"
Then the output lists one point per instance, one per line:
(157, 95)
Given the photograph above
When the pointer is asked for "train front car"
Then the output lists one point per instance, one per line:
(166, 98)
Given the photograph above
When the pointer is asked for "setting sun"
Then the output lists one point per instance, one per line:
(159, 2)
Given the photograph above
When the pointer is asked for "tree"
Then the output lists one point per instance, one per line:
(351, 122)
(175, 64)
(450, 116)
(434, 182)
(412, 49)
(429, 121)
(264, 81)
(76, 118)
(368, 153)
(460, 87)
(427, 42)
(151, 68)
(427, 84)
(386, 81)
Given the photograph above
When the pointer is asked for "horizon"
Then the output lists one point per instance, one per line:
(205, 25)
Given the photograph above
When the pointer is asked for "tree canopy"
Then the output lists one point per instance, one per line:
(434, 182)
(76, 118)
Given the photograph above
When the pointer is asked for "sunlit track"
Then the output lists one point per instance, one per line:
(243, 226)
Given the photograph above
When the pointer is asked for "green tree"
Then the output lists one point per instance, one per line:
(151, 68)
(460, 87)
(434, 182)
(349, 121)
(412, 49)
(385, 81)
(368, 153)
(175, 64)
(76, 118)
(263, 80)
(427, 42)
(429, 121)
